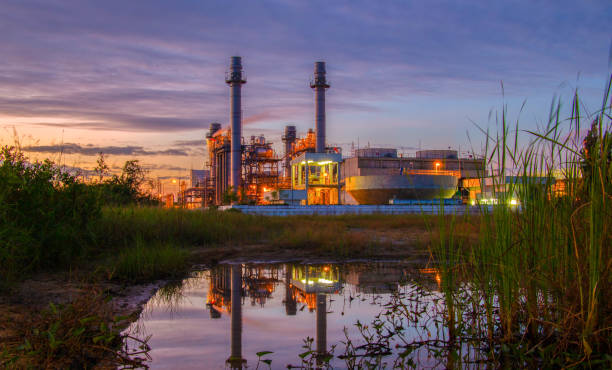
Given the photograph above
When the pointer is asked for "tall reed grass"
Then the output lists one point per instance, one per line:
(539, 277)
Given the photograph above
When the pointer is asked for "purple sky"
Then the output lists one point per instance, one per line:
(143, 79)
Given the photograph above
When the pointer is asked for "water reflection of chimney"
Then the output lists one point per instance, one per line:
(290, 299)
(321, 324)
(235, 361)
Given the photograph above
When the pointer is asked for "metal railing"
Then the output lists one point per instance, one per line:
(409, 171)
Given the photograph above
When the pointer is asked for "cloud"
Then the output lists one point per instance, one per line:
(264, 116)
(158, 67)
(190, 143)
(164, 167)
(91, 150)
(108, 113)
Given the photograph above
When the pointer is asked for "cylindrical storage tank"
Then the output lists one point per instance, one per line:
(220, 178)
(214, 127)
(379, 189)
(289, 139)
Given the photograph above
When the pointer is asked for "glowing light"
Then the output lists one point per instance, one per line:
(513, 202)
(437, 164)
(473, 202)
(174, 181)
(325, 281)
(323, 163)
(326, 268)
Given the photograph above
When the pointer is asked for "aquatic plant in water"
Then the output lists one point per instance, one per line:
(532, 291)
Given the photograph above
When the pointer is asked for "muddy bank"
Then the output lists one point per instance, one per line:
(38, 291)
(20, 306)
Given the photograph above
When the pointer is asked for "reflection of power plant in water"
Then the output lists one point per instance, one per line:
(305, 285)
(235, 360)
(219, 291)
(228, 286)
(312, 283)
(225, 294)
(290, 293)
(260, 283)
(374, 278)
(433, 279)
(321, 323)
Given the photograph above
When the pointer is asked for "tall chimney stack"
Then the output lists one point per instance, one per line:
(319, 84)
(235, 79)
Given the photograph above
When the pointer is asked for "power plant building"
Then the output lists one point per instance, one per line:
(318, 175)
(378, 175)
(309, 172)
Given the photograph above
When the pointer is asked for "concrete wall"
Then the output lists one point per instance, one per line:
(348, 199)
(437, 154)
(350, 210)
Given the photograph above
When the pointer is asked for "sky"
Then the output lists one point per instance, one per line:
(144, 79)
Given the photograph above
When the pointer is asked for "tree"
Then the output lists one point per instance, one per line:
(102, 168)
(133, 175)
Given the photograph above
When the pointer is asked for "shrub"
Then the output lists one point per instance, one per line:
(45, 215)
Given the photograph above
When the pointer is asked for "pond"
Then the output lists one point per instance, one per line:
(303, 314)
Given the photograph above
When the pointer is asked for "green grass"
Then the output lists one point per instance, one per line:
(121, 226)
(539, 277)
(147, 262)
(125, 231)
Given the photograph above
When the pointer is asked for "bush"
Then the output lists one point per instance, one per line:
(45, 215)
(124, 189)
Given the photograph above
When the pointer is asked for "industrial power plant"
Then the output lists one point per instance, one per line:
(309, 172)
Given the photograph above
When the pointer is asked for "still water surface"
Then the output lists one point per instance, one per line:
(197, 323)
